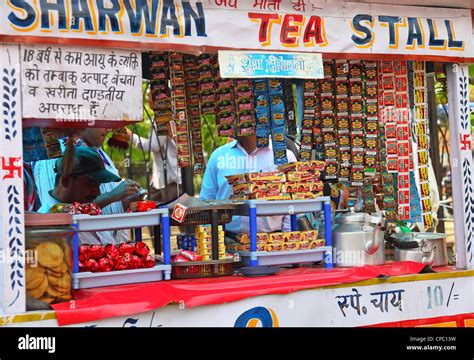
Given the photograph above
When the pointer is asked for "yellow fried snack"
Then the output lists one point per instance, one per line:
(46, 299)
(53, 273)
(50, 255)
(39, 291)
(64, 297)
(34, 276)
(51, 291)
(68, 256)
(62, 282)
(62, 290)
(61, 268)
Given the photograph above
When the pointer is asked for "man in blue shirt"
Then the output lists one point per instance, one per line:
(114, 197)
(238, 157)
(81, 185)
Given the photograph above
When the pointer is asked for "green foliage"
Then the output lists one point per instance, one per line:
(138, 160)
(210, 141)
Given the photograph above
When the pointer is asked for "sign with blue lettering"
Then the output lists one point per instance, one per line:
(250, 64)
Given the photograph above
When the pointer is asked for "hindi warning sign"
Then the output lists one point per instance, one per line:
(66, 84)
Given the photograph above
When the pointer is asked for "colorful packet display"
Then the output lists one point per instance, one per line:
(389, 201)
(386, 196)
(194, 115)
(206, 71)
(370, 73)
(289, 106)
(277, 111)
(334, 102)
(403, 154)
(357, 114)
(262, 110)
(245, 108)
(270, 110)
(180, 110)
(309, 115)
(160, 91)
(368, 196)
(421, 126)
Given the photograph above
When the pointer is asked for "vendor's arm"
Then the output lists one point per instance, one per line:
(209, 184)
(144, 143)
(122, 192)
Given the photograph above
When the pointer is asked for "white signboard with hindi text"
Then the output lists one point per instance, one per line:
(80, 85)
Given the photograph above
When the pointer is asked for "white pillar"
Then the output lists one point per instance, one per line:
(12, 229)
(462, 176)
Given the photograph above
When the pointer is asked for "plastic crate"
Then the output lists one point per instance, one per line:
(202, 217)
(201, 269)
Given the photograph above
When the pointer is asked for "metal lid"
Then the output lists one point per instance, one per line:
(45, 232)
(351, 218)
(418, 237)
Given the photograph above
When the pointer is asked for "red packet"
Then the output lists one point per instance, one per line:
(403, 149)
(403, 181)
(179, 212)
(392, 148)
(392, 164)
(387, 67)
(390, 131)
(389, 99)
(403, 133)
(401, 100)
(401, 84)
(388, 83)
(402, 116)
(404, 197)
(400, 67)
(403, 165)
(404, 212)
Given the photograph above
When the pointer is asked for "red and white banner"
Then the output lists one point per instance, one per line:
(291, 25)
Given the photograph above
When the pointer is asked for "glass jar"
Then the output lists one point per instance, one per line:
(48, 266)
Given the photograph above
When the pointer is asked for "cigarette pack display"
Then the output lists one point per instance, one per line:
(275, 87)
(357, 122)
(327, 87)
(292, 236)
(248, 188)
(343, 123)
(267, 176)
(331, 169)
(342, 88)
(341, 69)
(289, 106)
(356, 69)
(306, 195)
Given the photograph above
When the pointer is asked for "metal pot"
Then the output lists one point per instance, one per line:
(358, 240)
(426, 248)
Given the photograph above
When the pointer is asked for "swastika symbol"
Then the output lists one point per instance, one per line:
(11, 167)
(465, 141)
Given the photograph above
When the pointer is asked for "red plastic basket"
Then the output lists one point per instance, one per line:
(201, 269)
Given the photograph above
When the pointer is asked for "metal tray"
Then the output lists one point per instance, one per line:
(285, 257)
(282, 207)
(86, 280)
(118, 221)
